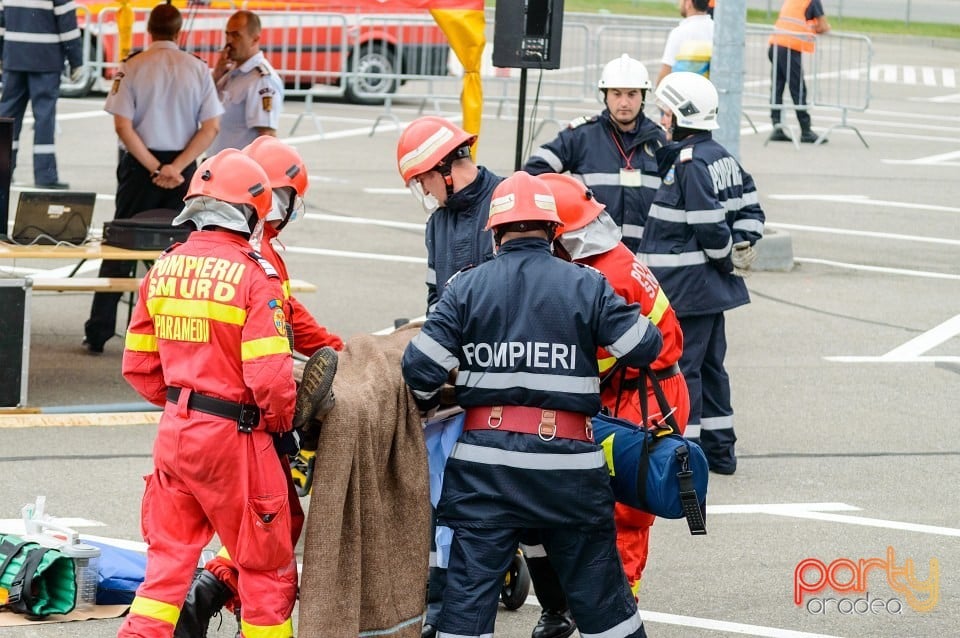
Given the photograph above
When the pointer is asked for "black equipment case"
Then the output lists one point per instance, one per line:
(149, 230)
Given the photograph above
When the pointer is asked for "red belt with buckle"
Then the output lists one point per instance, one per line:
(547, 424)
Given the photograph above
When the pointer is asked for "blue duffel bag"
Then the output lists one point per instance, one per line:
(655, 470)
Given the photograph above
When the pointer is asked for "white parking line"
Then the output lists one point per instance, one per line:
(713, 625)
(865, 233)
(865, 200)
(821, 511)
(881, 269)
(356, 255)
(343, 219)
(914, 350)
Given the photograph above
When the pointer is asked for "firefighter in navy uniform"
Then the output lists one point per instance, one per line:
(522, 332)
(699, 242)
(433, 156)
(207, 342)
(612, 153)
(590, 237)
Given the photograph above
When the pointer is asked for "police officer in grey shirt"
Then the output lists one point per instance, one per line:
(166, 113)
(250, 89)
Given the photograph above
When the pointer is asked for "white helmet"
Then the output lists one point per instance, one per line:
(624, 73)
(692, 98)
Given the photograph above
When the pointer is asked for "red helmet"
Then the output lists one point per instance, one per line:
(576, 204)
(522, 198)
(282, 162)
(426, 142)
(232, 177)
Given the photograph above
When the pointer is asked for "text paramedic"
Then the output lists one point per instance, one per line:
(533, 354)
(179, 277)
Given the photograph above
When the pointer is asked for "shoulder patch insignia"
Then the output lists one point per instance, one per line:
(583, 119)
(199, 58)
(134, 54)
(459, 272)
(171, 247)
(263, 70)
(669, 178)
(266, 265)
(279, 320)
(686, 154)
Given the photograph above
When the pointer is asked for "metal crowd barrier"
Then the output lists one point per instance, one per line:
(407, 58)
(836, 75)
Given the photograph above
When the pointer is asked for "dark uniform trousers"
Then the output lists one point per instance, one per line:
(787, 71)
(480, 557)
(136, 193)
(704, 348)
(42, 91)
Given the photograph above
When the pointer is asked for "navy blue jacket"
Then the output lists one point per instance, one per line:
(455, 236)
(38, 39)
(706, 204)
(588, 150)
(523, 329)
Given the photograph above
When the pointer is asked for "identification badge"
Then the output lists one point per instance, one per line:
(630, 177)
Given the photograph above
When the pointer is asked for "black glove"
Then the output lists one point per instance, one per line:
(287, 443)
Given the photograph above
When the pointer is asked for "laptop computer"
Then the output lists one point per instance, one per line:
(46, 217)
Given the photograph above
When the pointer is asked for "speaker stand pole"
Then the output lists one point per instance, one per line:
(521, 107)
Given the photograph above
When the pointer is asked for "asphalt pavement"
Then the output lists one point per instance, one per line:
(844, 369)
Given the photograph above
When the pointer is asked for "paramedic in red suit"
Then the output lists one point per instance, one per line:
(216, 585)
(591, 237)
(207, 342)
(289, 182)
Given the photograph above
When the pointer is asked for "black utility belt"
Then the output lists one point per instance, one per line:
(247, 416)
(660, 375)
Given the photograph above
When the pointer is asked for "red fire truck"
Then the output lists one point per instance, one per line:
(365, 47)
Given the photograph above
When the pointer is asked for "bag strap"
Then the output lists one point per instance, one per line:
(666, 411)
(694, 515)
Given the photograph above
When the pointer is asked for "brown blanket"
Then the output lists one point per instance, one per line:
(367, 536)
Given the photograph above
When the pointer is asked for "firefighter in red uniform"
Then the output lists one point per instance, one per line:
(208, 342)
(216, 585)
(591, 237)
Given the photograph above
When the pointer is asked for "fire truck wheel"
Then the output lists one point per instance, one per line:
(368, 62)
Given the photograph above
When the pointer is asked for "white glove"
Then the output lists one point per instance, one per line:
(76, 73)
(743, 255)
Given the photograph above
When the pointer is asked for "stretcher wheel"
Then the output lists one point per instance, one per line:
(516, 584)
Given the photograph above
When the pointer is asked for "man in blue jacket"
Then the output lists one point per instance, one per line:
(521, 333)
(612, 153)
(698, 241)
(433, 156)
(36, 40)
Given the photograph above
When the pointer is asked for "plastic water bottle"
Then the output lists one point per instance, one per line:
(86, 562)
(45, 530)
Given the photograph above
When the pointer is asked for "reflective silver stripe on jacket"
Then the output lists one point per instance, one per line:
(672, 261)
(528, 460)
(613, 179)
(530, 380)
(549, 157)
(629, 339)
(436, 352)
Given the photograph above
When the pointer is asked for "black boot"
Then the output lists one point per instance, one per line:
(206, 598)
(554, 624)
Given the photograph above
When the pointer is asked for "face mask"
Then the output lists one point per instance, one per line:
(428, 201)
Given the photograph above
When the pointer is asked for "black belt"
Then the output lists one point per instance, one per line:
(247, 416)
(660, 375)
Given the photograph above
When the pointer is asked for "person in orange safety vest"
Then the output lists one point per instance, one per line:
(591, 237)
(795, 31)
(207, 342)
